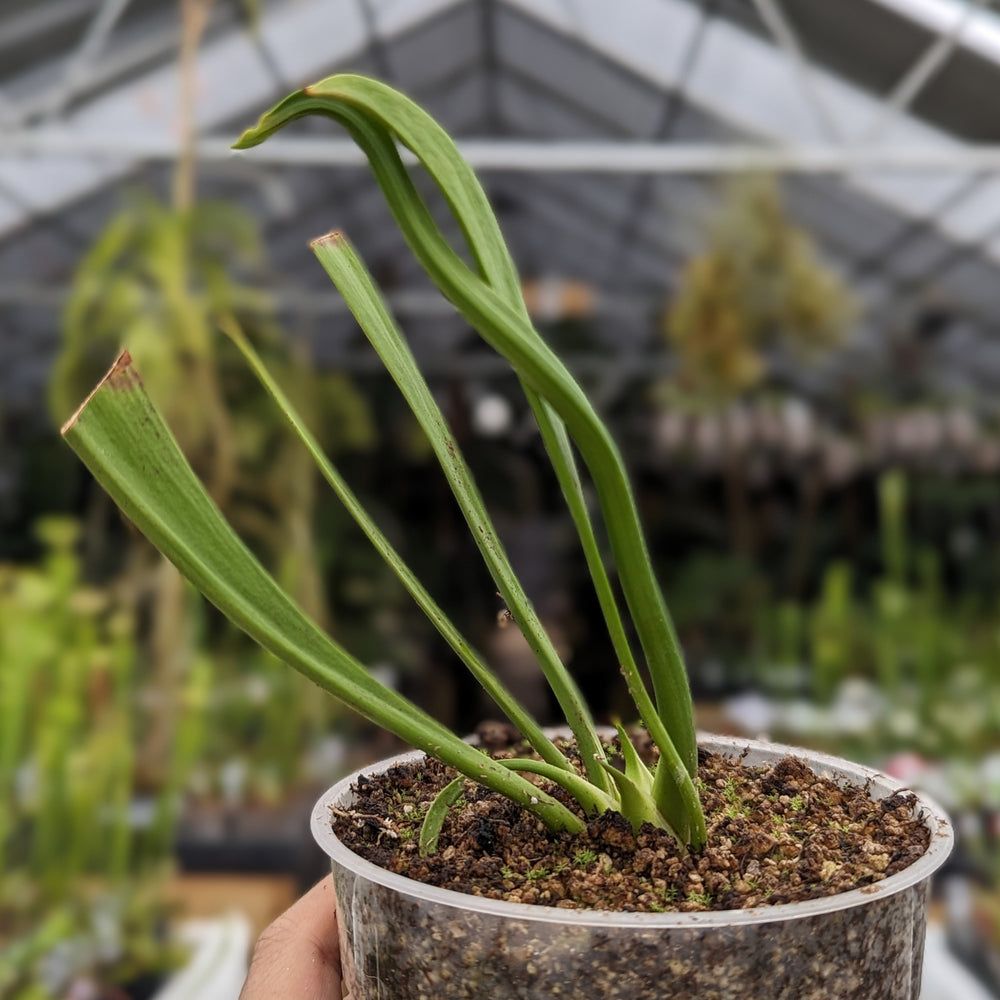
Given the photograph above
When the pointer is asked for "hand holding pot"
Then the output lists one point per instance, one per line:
(299, 954)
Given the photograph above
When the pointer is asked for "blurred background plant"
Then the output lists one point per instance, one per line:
(759, 290)
(759, 282)
(125, 701)
(165, 276)
(163, 280)
(82, 854)
(890, 662)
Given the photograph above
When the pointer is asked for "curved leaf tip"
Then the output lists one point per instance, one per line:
(254, 135)
(283, 112)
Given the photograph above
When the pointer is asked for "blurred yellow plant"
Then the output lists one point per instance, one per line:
(760, 281)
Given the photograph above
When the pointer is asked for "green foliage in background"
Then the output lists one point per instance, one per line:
(262, 724)
(169, 281)
(166, 281)
(932, 659)
(718, 601)
(78, 875)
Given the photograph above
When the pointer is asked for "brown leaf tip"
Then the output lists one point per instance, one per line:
(121, 375)
(123, 361)
(334, 236)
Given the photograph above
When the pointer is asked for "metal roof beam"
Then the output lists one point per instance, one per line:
(673, 108)
(80, 64)
(774, 18)
(304, 37)
(544, 156)
(939, 16)
(147, 50)
(920, 74)
(82, 61)
(26, 26)
(411, 302)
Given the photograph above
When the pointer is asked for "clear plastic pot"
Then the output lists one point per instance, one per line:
(401, 939)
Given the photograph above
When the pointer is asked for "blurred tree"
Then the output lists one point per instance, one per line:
(759, 284)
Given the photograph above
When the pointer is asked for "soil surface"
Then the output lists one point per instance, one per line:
(776, 834)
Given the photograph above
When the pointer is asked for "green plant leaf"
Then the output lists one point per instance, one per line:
(373, 113)
(593, 799)
(430, 829)
(529, 728)
(361, 295)
(489, 297)
(124, 442)
(638, 805)
(482, 234)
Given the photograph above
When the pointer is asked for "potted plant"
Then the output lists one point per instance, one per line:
(560, 789)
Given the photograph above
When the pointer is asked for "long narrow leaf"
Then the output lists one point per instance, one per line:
(670, 722)
(370, 111)
(356, 285)
(507, 703)
(468, 202)
(430, 829)
(673, 791)
(471, 208)
(123, 440)
(482, 233)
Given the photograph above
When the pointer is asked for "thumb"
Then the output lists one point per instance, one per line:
(299, 954)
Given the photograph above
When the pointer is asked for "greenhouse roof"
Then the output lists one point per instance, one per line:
(601, 131)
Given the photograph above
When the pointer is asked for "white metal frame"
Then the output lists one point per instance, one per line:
(544, 157)
(52, 151)
(89, 65)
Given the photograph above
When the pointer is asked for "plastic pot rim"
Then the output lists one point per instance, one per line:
(824, 765)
